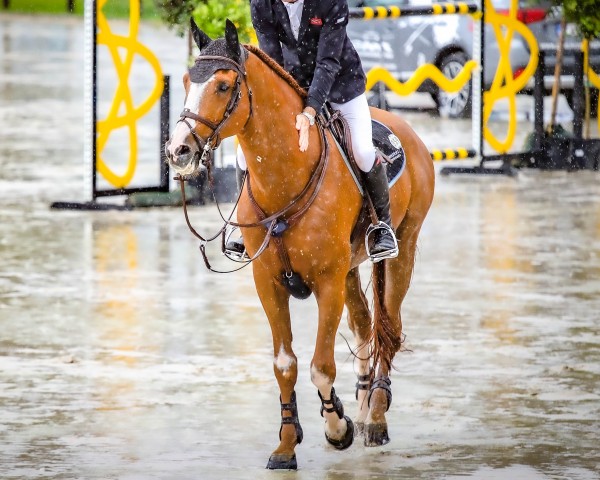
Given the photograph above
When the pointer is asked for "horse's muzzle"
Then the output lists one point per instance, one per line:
(182, 158)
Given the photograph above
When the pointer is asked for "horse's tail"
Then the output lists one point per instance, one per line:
(386, 340)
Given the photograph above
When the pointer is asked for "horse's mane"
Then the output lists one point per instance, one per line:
(278, 69)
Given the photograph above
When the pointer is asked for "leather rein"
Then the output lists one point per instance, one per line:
(276, 223)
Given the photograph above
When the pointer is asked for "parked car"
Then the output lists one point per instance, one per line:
(402, 44)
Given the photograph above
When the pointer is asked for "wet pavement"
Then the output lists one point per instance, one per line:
(122, 358)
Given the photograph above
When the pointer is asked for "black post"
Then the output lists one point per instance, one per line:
(94, 99)
(577, 144)
(481, 83)
(70, 6)
(6, 4)
(578, 96)
(165, 121)
(538, 96)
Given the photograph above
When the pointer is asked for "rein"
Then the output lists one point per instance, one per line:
(275, 224)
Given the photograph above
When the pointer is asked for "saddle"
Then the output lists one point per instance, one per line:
(387, 145)
(388, 148)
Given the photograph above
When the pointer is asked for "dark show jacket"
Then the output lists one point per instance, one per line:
(323, 51)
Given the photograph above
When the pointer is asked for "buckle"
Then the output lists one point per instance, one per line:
(377, 257)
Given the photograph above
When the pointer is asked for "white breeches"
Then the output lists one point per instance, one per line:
(357, 114)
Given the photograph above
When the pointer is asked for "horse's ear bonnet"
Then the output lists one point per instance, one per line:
(228, 47)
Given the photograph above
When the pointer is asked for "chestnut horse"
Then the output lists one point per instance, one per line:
(238, 90)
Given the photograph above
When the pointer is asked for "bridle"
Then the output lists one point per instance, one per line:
(274, 224)
(208, 146)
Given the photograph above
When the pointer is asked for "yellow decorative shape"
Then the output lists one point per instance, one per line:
(437, 9)
(395, 11)
(450, 154)
(381, 12)
(462, 152)
(369, 13)
(463, 8)
(122, 98)
(450, 8)
(504, 84)
(424, 72)
(593, 77)
(437, 155)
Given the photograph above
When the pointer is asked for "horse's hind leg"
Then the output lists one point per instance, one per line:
(339, 429)
(275, 302)
(359, 321)
(398, 273)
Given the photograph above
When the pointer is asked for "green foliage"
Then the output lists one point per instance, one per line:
(210, 16)
(176, 13)
(583, 13)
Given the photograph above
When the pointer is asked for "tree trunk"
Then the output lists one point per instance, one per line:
(557, 69)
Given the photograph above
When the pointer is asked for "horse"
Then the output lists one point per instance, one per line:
(308, 204)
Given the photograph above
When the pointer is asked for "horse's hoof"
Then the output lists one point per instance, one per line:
(376, 435)
(359, 429)
(282, 462)
(348, 438)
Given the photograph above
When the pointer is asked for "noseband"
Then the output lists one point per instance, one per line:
(213, 141)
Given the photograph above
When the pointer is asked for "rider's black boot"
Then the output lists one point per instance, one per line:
(381, 239)
(235, 247)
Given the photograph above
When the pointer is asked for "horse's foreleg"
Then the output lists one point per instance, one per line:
(339, 429)
(275, 302)
(359, 321)
(398, 273)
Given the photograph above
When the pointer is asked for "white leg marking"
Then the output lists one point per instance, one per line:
(362, 352)
(284, 362)
(335, 427)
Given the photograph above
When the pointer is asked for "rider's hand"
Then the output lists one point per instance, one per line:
(302, 125)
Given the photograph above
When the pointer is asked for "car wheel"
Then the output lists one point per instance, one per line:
(593, 101)
(458, 104)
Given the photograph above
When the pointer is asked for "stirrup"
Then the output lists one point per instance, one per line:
(392, 253)
(234, 254)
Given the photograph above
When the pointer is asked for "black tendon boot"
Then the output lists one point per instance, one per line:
(380, 239)
(235, 248)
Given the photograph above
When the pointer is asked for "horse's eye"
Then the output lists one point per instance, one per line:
(223, 87)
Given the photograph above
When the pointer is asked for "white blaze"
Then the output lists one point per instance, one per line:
(194, 97)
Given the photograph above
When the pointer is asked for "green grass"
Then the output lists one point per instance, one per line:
(112, 9)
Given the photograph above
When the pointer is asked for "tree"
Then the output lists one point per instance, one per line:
(585, 15)
(209, 15)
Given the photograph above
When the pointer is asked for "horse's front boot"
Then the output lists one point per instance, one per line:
(283, 460)
(334, 405)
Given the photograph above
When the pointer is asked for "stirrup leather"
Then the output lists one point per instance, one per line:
(373, 228)
(232, 253)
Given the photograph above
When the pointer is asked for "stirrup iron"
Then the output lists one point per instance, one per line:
(231, 254)
(373, 228)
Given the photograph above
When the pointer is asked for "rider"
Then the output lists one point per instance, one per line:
(308, 39)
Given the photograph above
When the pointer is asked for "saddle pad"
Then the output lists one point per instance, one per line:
(389, 144)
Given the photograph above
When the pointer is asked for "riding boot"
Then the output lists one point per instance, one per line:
(381, 239)
(236, 246)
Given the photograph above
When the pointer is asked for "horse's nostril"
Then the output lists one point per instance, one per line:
(182, 150)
